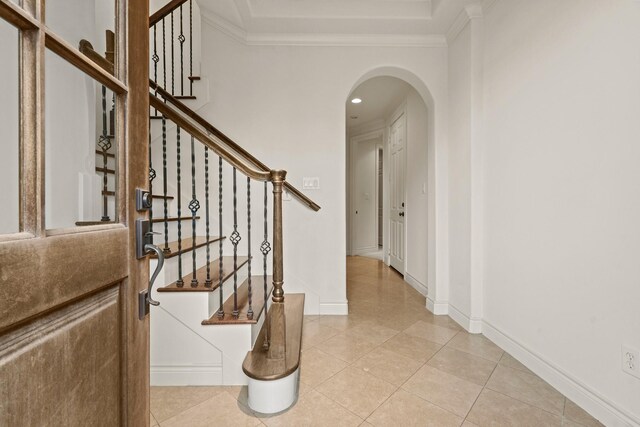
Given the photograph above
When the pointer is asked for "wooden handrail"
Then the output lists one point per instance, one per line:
(164, 11)
(228, 141)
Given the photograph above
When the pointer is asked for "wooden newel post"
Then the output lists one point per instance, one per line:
(278, 178)
(277, 322)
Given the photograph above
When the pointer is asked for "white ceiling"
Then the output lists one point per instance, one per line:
(346, 17)
(380, 97)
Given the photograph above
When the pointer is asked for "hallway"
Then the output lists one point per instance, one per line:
(389, 362)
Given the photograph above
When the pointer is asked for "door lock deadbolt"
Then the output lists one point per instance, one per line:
(143, 200)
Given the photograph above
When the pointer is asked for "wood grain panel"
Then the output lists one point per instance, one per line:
(37, 275)
(63, 369)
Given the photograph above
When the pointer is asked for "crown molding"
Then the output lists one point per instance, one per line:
(470, 12)
(315, 39)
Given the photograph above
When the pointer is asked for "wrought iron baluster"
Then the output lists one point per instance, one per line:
(182, 40)
(164, 56)
(104, 142)
(235, 239)
(172, 57)
(194, 205)
(265, 248)
(155, 58)
(164, 185)
(180, 281)
(191, 47)
(208, 283)
(221, 272)
(250, 310)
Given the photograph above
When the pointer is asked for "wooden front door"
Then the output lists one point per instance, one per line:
(73, 351)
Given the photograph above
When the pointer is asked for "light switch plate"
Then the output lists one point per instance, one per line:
(286, 196)
(310, 183)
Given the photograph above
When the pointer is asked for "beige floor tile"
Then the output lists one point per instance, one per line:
(412, 347)
(340, 323)
(469, 424)
(463, 365)
(476, 344)
(406, 409)
(311, 318)
(495, 409)
(430, 332)
(576, 414)
(152, 420)
(356, 390)
(169, 401)
(527, 388)
(373, 332)
(314, 410)
(221, 410)
(445, 390)
(387, 365)
(510, 362)
(317, 366)
(315, 333)
(347, 348)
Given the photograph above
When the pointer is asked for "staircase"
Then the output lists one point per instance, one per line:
(223, 317)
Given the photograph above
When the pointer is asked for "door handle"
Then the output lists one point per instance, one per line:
(144, 297)
(401, 214)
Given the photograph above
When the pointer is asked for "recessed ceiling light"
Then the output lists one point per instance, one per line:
(356, 101)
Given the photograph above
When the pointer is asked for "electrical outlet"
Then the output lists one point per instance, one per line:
(631, 361)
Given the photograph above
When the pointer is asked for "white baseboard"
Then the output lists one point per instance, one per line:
(473, 326)
(437, 308)
(416, 284)
(598, 406)
(334, 308)
(186, 375)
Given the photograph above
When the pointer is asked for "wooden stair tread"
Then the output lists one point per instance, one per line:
(201, 275)
(154, 196)
(108, 154)
(155, 117)
(87, 223)
(257, 284)
(187, 245)
(102, 170)
(173, 218)
(256, 364)
(184, 97)
(194, 78)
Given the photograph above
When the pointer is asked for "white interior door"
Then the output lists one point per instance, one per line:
(397, 147)
(365, 218)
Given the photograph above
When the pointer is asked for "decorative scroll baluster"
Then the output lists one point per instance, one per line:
(179, 282)
(191, 47)
(265, 248)
(250, 310)
(172, 57)
(194, 205)
(166, 248)
(208, 283)
(235, 239)
(182, 40)
(221, 309)
(104, 142)
(155, 58)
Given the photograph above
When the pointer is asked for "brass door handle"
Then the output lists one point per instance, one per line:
(149, 247)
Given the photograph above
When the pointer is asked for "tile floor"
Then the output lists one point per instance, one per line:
(389, 362)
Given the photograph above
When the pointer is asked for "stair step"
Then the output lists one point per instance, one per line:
(184, 97)
(201, 275)
(154, 196)
(111, 155)
(155, 117)
(187, 245)
(102, 170)
(257, 284)
(194, 78)
(288, 315)
(173, 219)
(87, 223)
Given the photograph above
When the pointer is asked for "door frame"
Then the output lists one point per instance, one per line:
(353, 141)
(397, 113)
